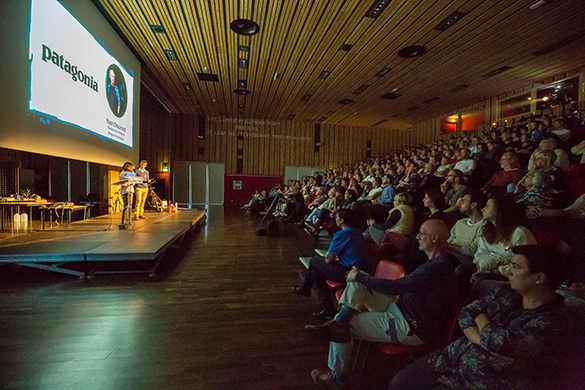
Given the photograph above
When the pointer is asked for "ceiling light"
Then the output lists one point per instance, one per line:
(306, 97)
(557, 45)
(346, 47)
(243, 48)
(391, 96)
(171, 55)
(458, 88)
(187, 86)
(545, 98)
(345, 101)
(157, 29)
(361, 89)
(395, 89)
(431, 100)
(411, 51)
(537, 5)
(496, 72)
(243, 63)
(244, 27)
(449, 21)
(241, 91)
(207, 77)
(242, 84)
(291, 117)
(324, 74)
(377, 8)
(275, 75)
(383, 72)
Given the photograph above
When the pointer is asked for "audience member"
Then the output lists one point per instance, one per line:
(421, 315)
(348, 249)
(517, 337)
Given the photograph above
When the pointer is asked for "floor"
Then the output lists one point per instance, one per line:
(219, 314)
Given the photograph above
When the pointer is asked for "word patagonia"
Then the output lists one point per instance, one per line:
(76, 74)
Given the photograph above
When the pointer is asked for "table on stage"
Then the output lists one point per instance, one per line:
(12, 204)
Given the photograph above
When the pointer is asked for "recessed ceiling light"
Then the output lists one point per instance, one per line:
(431, 100)
(291, 117)
(324, 75)
(346, 47)
(377, 8)
(240, 106)
(171, 55)
(306, 97)
(241, 91)
(275, 76)
(345, 101)
(395, 89)
(361, 89)
(411, 51)
(497, 71)
(458, 88)
(243, 63)
(157, 29)
(243, 48)
(187, 86)
(450, 21)
(207, 77)
(383, 72)
(391, 96)
(557, 45)
(244, 27)
(536, 5)
(242, 84)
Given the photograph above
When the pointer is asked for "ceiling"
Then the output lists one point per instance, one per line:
(299, 39)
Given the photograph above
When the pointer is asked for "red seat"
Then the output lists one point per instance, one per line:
(385, 269)
(335, 285)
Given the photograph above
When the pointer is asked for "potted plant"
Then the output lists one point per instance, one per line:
(26, 193)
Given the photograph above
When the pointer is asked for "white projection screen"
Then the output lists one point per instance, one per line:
(71, 87)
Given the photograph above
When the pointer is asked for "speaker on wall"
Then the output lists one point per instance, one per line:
(317, 137)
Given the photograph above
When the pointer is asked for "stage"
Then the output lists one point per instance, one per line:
(63, 247)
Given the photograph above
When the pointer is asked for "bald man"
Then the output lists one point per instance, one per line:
(422, 313)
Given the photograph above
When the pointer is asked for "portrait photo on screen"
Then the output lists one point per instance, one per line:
(116, 92)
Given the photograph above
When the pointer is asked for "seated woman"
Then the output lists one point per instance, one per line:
(520, 336)
(444, 168)
(434, 200)
(400, 220)
(350, 200)
(534, 190)
(500, 231)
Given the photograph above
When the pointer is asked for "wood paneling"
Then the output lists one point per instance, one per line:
(300, 39)
(267, 146)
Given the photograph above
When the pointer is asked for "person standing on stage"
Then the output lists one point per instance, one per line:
(141, 189)
(127, 192)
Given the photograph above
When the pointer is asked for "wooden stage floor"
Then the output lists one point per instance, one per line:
(99, 240)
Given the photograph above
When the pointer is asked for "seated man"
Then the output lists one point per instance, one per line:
(466, 165)
(347, 250)
(465, 234)
(422, 314)
(454, 188)
(510, 174)
(520, 336)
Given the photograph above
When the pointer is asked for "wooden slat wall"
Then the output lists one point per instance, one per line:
(267, 146)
